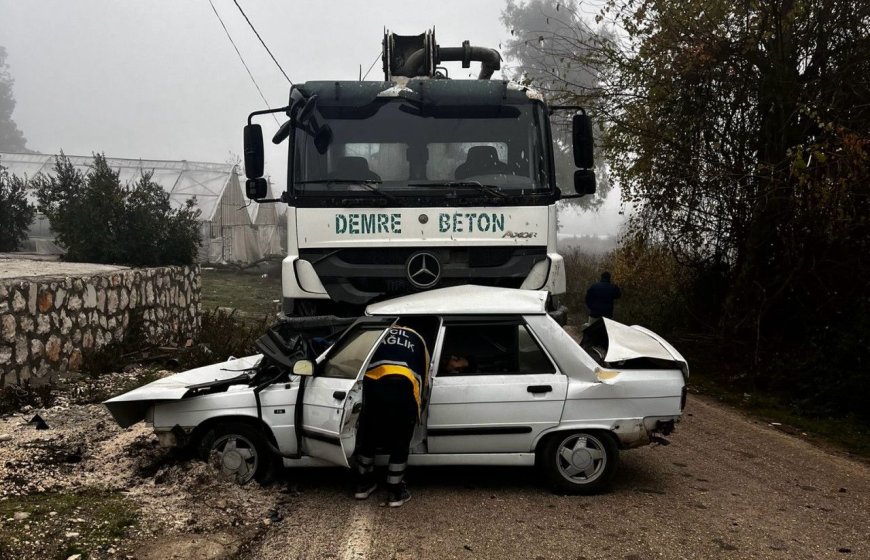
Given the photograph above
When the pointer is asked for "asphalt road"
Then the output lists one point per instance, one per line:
(727, 487)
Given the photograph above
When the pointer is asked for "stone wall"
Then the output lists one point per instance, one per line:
(48, 323)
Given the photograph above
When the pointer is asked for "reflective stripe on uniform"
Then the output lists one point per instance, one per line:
(365, 464)
(396, 472)
(381, 371)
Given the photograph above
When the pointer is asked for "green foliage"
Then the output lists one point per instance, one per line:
(655, 290)
(96, 219)
(11, 137)
(740, 134)
(16, 213)
(547, 40)
(108, 517)
(221, 336)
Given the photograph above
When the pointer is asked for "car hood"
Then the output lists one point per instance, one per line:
(628, 343)
(131, 407)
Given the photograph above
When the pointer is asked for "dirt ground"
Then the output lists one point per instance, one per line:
(727, 487)
(53, 483)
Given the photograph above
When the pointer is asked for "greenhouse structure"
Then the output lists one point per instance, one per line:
(234, 229)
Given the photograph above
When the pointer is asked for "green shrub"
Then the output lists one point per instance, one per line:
(654, 286)
(16, 213)
(581, 271)
(97, 219)
(222, 335)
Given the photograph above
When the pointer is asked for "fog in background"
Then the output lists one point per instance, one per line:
(159, 79)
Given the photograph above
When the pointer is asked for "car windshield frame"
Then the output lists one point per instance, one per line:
(517, 159)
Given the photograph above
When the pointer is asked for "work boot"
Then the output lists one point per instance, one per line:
(365, 486)
(398, 494)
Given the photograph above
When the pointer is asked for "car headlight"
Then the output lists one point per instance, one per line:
(149, 415)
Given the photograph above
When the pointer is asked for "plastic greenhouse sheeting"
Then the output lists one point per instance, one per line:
(229, 233)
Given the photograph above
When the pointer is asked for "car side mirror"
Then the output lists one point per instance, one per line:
(583, 142)
(254, 153)
(303, 367)
(584, 181)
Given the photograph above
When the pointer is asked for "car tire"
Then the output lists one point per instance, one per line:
(581, 462)
(239, 452)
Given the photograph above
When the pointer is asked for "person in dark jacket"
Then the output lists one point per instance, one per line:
(600, 297)
(393, 386)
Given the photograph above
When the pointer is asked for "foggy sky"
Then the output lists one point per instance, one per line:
(158, 79)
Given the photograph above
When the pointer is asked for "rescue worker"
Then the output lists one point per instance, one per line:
(393, 386)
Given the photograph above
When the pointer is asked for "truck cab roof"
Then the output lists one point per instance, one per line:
(438, 92)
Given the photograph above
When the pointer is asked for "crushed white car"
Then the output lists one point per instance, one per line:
(535, 396)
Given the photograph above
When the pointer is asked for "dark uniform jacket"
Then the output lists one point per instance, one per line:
(599, 299)
(402, 352)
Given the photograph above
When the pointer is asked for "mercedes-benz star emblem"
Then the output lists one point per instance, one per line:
(423, 270)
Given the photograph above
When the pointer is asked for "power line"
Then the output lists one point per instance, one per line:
(242, 59)
(262, 42)
(381, 54)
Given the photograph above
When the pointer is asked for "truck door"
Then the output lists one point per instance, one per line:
(332, 400)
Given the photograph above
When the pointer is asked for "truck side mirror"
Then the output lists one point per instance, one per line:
(583, 143)
(254, 153)
(256, 188)
(584, 181)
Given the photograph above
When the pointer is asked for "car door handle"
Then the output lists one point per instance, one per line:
(535, 389)
(339, 395)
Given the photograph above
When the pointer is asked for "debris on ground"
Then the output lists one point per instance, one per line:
(86, 486)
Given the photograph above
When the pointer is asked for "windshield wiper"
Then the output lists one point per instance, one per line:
(488, 189)
(368, 184)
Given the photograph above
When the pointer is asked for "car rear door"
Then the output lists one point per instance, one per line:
(515, 392)
(332, 398)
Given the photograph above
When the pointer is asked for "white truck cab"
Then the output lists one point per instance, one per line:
(417, 182)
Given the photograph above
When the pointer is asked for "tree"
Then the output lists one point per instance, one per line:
(16, 213)
(740, 133)
(96, 219)
(549, 50)
(11, 137)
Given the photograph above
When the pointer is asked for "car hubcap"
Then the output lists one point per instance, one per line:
(236, 458)
(581, 458)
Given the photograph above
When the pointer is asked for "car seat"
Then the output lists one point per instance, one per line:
(480, 160)
(353, 168)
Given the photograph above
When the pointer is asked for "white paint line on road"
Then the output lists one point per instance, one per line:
(358, 537)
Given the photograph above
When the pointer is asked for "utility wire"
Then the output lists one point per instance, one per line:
(262, 41)
(380, 55)
(242, 59)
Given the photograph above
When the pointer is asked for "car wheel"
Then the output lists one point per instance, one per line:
(579, 462)
(239, 452)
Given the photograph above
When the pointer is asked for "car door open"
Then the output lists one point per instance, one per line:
(332, 400)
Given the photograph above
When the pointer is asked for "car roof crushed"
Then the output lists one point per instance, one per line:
(465, 300)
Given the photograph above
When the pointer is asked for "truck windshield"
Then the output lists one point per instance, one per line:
(401, 148)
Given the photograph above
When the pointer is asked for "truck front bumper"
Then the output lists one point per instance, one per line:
(353, 278)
